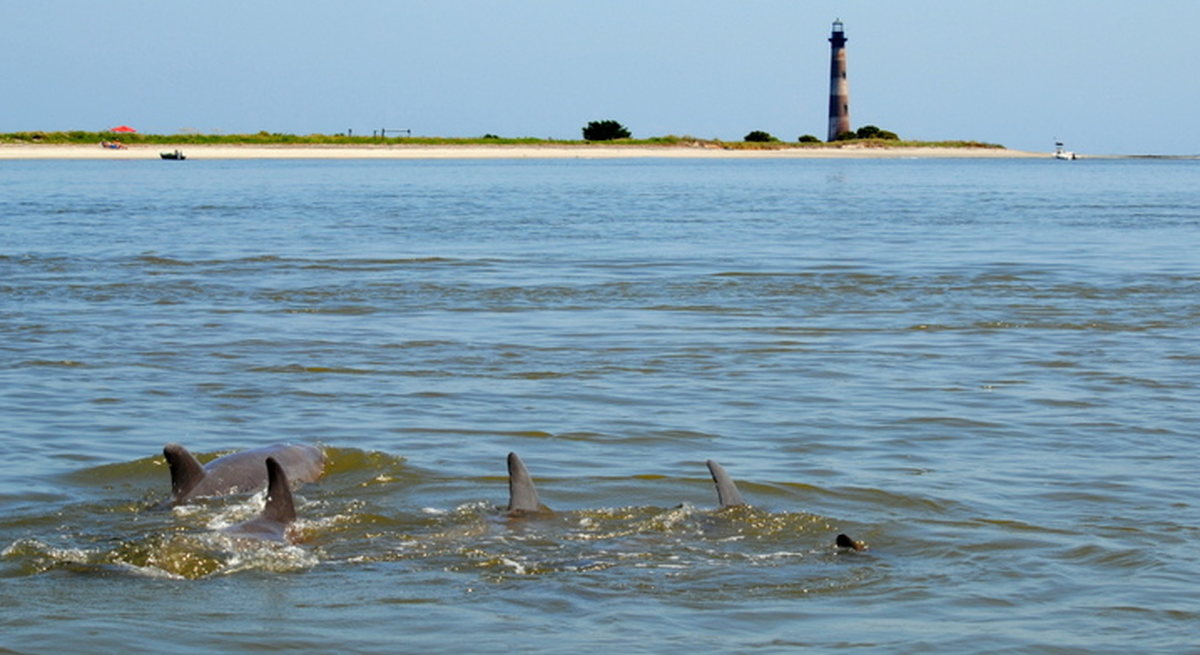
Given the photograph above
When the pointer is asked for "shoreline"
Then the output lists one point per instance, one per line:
(284, 151)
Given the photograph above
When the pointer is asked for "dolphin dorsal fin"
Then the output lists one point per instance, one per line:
(522, 496)
(280, 507)
(186, 471)
(845, 541)
(727, 492)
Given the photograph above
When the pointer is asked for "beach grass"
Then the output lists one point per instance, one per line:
(79, 137)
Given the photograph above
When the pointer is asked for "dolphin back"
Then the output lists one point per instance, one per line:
(239, 472)
(522, 496)
(727, 492)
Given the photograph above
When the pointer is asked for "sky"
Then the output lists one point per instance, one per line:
(1104, 76)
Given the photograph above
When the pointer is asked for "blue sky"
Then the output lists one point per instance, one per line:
(1105, 76)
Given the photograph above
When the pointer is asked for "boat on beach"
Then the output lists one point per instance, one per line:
(178, 154)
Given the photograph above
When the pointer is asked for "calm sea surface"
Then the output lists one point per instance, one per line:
(985, 369)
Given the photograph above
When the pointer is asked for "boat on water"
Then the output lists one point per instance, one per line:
(1060, 152)
(178, 154)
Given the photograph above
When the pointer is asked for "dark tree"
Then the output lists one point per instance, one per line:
(808, 138)
(605, 131)
(759, 136)
(873, 132)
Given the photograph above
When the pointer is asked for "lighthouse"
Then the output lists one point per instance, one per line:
(839, 86)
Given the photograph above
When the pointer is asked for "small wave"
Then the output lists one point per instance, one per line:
(355, 468)
(299, 368)
(160, 556)
(157, 260)
(258, 555)
(332, 264)
(56, 363)
(947, 421)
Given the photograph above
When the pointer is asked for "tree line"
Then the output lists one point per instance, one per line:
(611, 130)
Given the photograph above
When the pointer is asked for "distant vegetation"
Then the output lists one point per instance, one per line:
(259, 138)
(605, 131)
(867, 132)
(276, 138)
(758, 136)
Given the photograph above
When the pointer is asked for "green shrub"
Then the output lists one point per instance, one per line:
(605, 131)
(758, 136)
(873, 132)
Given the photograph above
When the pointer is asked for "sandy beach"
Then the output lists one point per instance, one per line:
(13, 151)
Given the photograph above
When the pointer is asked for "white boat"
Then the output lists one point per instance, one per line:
(1061, 153)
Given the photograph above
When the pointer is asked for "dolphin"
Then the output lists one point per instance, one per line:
(729, 496)
(279, 510)
(844, 542)
(522, 496)
(240, 472)
(727, 492)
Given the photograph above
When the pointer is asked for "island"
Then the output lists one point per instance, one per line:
(267, 145)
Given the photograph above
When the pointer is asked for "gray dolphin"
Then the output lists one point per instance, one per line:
(522, 496)
(729, 496)
(279, 510)
(240, 472)
(727, 492)
(844, 542)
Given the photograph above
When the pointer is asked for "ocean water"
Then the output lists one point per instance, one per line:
(987, 370)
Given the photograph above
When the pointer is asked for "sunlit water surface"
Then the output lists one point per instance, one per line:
(985, 369)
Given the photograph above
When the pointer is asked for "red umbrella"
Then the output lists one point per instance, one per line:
(124, 129)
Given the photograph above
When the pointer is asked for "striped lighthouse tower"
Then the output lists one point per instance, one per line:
(839, 86)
